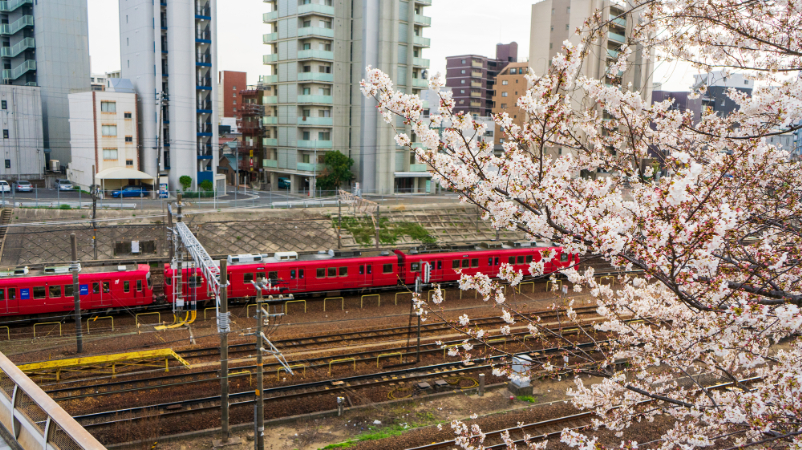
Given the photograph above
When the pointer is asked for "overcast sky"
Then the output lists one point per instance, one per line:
(458, 27)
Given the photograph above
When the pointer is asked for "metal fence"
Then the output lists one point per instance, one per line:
(34, 420)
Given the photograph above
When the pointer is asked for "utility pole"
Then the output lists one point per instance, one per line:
(378, 224)
(259, 439)
(418, 292)
(224, 353)
(76, 294)
(178, 288)
(339, 224)
(94, 211)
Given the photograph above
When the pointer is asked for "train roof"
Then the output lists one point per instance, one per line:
(65, 270)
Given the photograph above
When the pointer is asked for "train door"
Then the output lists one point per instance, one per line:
(9, 303)
(365, 274)
(436, 271)
(297, 279)
(100, 294)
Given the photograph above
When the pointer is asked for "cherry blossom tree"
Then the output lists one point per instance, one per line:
(716, 244)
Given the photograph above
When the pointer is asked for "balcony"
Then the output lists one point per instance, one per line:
(269, 120)
(476, 94)
(203, 12)
(313, 144)
(19, 47)
(269, 59)
(316, 31)
(313, 8)
(477, 64)
(420, 83)
(308, 167)
(270, 17)
(269, 99)
(252, 109)
(8, 29)
(201, 37)
(13, 74)
(269, 38)
(476, 74)
(12, 5)
(205, 129)
(269, 142)
(316, 76)
(203, 108)
(420, 62)
(418, 168)
(476, 84)
(270, 163)
(475, 103)
(424, 2)
(620, 21)
(315, 121)
(203, 60)
(315, 54)
(421, 41)
(423, 20)
(268, 79)
(323, 99)
(204, 83)
(612, 54)
(616, 37)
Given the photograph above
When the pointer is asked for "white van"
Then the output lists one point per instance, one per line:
(4, 186)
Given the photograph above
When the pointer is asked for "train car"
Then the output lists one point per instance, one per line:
(444, 266)
(50, 290)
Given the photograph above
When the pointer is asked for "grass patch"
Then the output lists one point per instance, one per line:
(526, 398)
(389, 232)
(65, 207)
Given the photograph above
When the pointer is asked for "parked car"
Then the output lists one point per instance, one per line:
(4, 187)
(131, 191)
(23, 186)
(284, 183)
(64, 185)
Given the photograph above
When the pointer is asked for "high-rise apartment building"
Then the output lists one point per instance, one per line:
(472, 78)
(510, 86)
(318, 53)
(229, 84)
(46, 44)
(168, 50)
(716, 84)
(21, 145)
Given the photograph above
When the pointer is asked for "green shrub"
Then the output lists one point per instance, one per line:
(65, 207)
(207, 185)
(186, 181)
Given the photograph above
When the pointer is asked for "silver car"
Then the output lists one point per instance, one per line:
(64, 185)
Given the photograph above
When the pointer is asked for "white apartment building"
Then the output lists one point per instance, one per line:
(105, 146)
(22, 143)
(318, 51)
(46, 44)
(168, 50)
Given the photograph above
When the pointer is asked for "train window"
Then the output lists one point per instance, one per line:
(512, 260)
(520, 260)
(439, 265)
(301, 274)
(169, 281)
(126, 286)
(55, 292)
(415, 267)
(2, 295)
(496, 260)
(475, 262)
(150, 283)
(455, 264)
(12, 293)
(106, 289)
(465, 263)
(96, 288)
(370, 269)
(273, 276)
(528, 259)
(292, 274)
(387, 268)
(321, 273)
(332, 271)
(563, 257)
(490, 261)
(248, 277)
(139, 285)
(68, 292)
(361, 270)
(39, 292)
(343, 271)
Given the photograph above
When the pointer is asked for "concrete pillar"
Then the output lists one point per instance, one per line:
(273, 179)
(312, 186)
(295, 182)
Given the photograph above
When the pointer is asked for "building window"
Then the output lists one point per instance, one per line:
(307, 24)
(462, 81)
(127, 115)
(234, 102)
(324, 135)
(461, 102)
(109, 130)
(129, 139)
(552, 28)
(568, 10)
(505, 82)
(8, 164)
(503, 94)
(306, 135)
(129, 163)
(5, 134)
(503, 106)
(108, 107)
(326, 24)
(110, 154)
(513, 71)
(233, 88)
(235, 109)
(463, 71)
(462, 91)
(5, 104)
(501, 141)
(463, 61)
(551, 45)
(566, 27)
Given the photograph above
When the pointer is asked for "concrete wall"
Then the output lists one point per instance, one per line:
(23, 151)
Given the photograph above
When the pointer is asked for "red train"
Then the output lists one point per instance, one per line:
(50, 290)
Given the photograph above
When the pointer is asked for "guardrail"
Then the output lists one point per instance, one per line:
(34, 419)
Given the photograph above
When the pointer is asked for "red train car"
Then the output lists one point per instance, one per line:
(51, 290)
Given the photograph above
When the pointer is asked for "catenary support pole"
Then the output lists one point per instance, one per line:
(259, 439)
(94, 212)
(224, 354)
(76, 294)
(378, 222)
(339, 224)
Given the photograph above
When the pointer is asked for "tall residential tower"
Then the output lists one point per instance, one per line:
(46, 44)
(168, 50)
(472, 78)
(318, 53)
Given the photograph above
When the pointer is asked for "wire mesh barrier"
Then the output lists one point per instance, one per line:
(34, 418)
